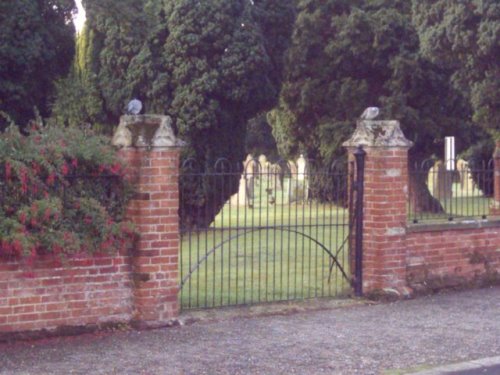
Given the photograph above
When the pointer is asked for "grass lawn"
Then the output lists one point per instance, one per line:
(270, 252)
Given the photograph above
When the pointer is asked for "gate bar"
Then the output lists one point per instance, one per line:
(359, 154)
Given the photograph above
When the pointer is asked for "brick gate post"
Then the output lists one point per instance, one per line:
(151, 152)
(384, 203)
(495, 206)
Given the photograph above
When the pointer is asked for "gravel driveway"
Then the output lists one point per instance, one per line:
(359, 339)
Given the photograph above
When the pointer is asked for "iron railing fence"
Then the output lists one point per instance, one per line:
(280, 233)
(451, 190)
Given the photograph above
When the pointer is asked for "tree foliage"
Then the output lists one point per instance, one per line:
(347, 55)
(464, 36)
(36, 47)
(211, 65)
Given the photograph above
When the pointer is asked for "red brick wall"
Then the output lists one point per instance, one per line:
(49, 295)
(450, 257)
(398, 255)
(140, 288)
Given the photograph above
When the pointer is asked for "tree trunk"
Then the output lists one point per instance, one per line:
(421, 199)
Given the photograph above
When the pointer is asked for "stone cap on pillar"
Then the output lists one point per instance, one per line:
(371, 133)
(145, 131)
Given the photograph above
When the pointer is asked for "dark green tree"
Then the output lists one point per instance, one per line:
(36, 48)
(464, 36)
(211, 65)
(348, 55)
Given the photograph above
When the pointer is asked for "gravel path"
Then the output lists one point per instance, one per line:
(361, 339)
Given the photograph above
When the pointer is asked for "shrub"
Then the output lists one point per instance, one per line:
(62, 192)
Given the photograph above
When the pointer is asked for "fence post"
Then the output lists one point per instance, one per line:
(151, 154)
(384, 203)
(495, 204)
(359, 155)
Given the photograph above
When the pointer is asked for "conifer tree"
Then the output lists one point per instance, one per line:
(211, 65)
(36, 48)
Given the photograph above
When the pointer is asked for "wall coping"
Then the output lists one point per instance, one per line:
(146, 131)
(385, 134)
(454, 225)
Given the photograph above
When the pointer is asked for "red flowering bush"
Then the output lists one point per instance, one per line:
(61, 192)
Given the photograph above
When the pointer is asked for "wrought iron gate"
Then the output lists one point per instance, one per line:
(264, 232)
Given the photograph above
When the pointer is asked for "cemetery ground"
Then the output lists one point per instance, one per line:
(265, 254)
(358, 338)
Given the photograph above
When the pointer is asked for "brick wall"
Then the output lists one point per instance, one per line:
(139, 288)
(403, 257)
(85, 291)
(452, 255)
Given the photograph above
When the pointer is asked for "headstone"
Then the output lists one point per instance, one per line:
(240, 198)
(263, 164)
(302, 188)
(251, 172)
(246, 186)
(301, 168)
(466, 181)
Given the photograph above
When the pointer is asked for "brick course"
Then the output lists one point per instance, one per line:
(85, 290)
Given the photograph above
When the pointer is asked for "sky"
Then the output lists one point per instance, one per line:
(79, 20)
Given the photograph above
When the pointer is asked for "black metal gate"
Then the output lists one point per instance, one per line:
(284, 233)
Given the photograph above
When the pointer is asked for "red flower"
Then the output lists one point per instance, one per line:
(65, 169)
(24, 180)
(115, 168)
(17, 247)
(36, 168)
(47, 213)
(22, 217)
(51, 179)
(74, 163)
(8, 171)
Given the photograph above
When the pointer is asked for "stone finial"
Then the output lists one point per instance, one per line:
(150, 131)
(378, 134)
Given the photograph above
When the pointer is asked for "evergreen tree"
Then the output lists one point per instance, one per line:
(464, 36)
(36, 47)
(211, 65)
(348, 55)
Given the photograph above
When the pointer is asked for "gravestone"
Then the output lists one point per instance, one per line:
(302, 187)
(301, 168)
(263, 165)
(246, 187)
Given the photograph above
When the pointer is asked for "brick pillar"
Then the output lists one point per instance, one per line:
(153, 167)
(384, 203)
(495, 207)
